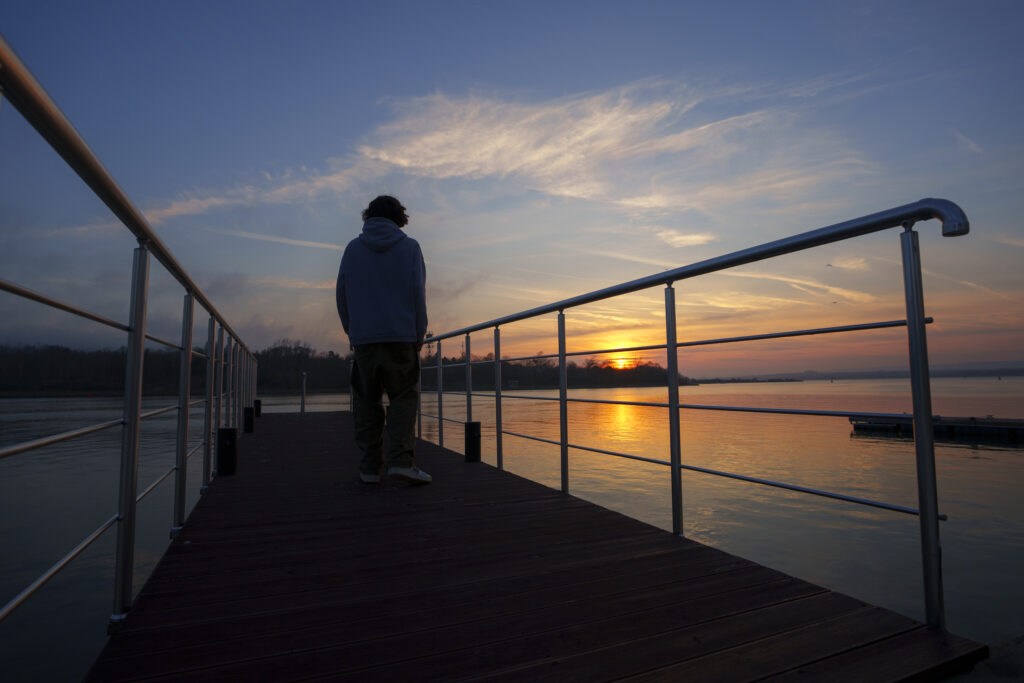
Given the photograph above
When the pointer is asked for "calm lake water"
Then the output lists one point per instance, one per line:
(51, 498)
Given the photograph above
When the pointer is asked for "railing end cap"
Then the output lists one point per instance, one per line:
(954, 220)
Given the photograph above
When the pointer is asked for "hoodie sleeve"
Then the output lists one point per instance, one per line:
(420, 293)
(340, 296)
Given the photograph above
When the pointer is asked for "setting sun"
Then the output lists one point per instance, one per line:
(622, 363)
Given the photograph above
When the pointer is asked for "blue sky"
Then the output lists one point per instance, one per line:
(543, 149)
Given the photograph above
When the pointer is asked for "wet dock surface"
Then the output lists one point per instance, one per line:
(292, 569)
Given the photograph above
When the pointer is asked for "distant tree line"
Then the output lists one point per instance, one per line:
(542, 373)
(58, 370)
(280, 368)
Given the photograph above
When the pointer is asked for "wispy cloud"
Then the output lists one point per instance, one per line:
(647, 146)
(274, 282)
(965, 142)
(806, 285)
(851, 263)
(1011, 241)
(676, 238)
(738, 302)
(651, 146)
(280, 240)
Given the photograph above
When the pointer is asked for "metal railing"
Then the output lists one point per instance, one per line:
(230, 383)
(954, 222)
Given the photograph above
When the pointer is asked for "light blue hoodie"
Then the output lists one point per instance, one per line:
(382, 286)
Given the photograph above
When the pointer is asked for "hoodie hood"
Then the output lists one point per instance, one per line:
(380, 234)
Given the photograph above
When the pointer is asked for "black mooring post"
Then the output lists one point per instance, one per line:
(227, 451)
(472, 442)
(248, 419)
(258, 405)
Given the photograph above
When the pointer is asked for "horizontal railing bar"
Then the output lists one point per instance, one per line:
(794, 411)
(198, 401)
(158, 411)
(446, 419)
(653, 347)
(531, 438)
(621, 455)
(697, 406)
(514, 360)
(460, 364)
(766, 482)
(646, 404)
(158, 340)
(198, 353)
(755, 337)
(56, 438)
(43, 299)
(35, 105)
(532, 398)
(801, 333)
(156, 483)
(705, 342)
(804, 489)
(52, 571)
(195, 450)
(954, 222)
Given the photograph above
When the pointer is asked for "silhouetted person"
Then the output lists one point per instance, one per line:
(382, 304)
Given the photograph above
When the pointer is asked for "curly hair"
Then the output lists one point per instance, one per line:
(386, 206)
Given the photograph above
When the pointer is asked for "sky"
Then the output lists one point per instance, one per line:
(544, 150)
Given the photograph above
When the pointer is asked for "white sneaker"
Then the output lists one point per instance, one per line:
(411, 474)
(368, 478)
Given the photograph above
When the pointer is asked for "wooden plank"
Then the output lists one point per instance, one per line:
(920, 655)
(292, 570)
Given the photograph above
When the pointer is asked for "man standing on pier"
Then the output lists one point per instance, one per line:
(382, 304)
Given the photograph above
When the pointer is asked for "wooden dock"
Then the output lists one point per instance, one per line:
(293, 570)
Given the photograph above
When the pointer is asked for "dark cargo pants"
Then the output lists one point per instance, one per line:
(392, 368)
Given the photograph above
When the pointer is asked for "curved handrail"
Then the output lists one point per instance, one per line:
(28, 97)
(954, 222)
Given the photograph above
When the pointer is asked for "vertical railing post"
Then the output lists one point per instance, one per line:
(920, 383)
(497, 396)
(248, 409)
(469, 384)
(351, 389)
(239, 360)
(229, 355)
(247, 383)
(419, 398)
(675, 453)
(240, 403)
(218, 412)
(184, 398)
(253, 366)
(440, 396)
(302, 404)
(232, 393)
(563, 404)
(124, 563)
(211, 373)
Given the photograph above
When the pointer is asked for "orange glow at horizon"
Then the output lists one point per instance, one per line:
(621, 363)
